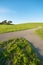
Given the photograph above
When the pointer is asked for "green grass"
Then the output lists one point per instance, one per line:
(18, 52)
(11, 28)
(40, 32)
(18, 27)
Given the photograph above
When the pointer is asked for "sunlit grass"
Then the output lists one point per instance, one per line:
(18, 27)
(40, 32)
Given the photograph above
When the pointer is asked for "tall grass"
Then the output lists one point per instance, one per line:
(18, 52)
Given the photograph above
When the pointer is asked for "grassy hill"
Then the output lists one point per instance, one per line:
(40, 32)
(18, 52)
(18, 27)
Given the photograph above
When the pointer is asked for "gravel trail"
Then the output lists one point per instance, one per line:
(34, 39)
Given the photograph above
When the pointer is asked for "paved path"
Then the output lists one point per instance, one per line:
(36, 41)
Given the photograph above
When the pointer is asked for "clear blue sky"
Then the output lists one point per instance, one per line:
(21, 11)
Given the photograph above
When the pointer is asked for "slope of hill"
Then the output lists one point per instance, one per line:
(18, 27)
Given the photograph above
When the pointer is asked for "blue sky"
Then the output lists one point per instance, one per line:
(21, 11)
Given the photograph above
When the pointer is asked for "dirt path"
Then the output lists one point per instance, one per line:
(30, 36)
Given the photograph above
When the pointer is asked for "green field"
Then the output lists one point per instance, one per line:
(40, 32)
(17, 27)
(18, 52)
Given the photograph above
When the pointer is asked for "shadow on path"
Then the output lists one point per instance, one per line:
(37, 51)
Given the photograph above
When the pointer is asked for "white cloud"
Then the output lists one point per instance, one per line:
(6, 10)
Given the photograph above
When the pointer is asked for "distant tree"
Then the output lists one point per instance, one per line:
(4, 22)
(9, 22)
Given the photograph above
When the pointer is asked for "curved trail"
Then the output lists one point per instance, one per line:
(36, 41)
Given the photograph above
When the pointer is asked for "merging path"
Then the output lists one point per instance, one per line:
(35, 40)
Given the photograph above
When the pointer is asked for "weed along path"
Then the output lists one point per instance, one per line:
(36, 41)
